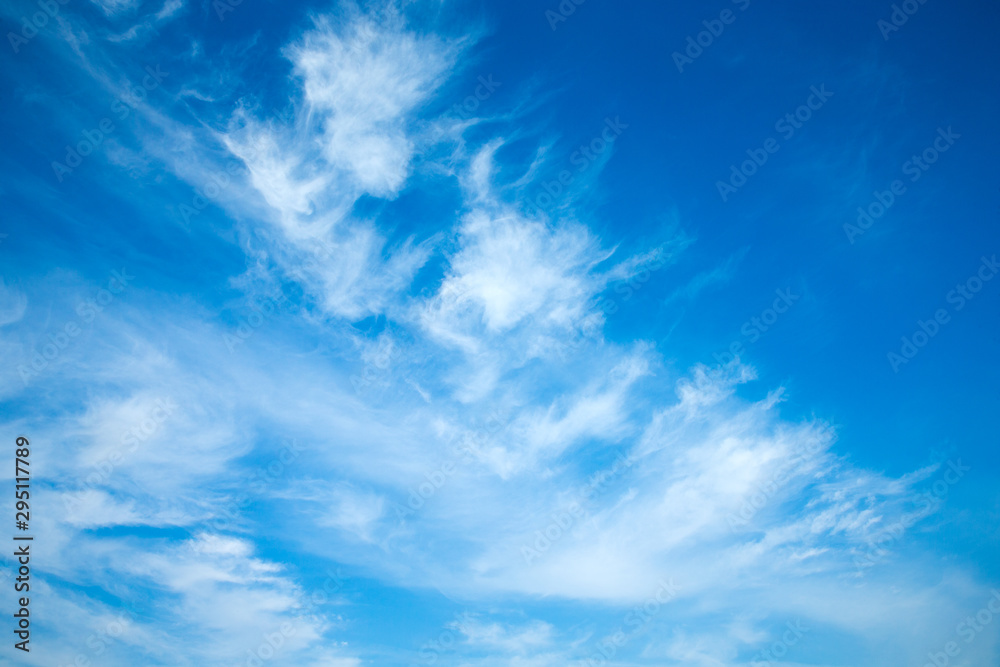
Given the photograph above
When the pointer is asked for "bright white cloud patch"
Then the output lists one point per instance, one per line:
(512, 275)
(364, 81)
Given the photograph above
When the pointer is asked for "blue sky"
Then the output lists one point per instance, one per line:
(403, 334)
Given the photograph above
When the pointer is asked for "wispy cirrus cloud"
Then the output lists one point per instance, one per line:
(491, 309)
(364, 83)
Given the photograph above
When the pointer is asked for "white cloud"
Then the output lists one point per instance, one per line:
(518, 288)
(509, 269)
(352, 511)
(364, 80)
(513, 327)
(503, 637)
(115, 7)
(542, 434)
